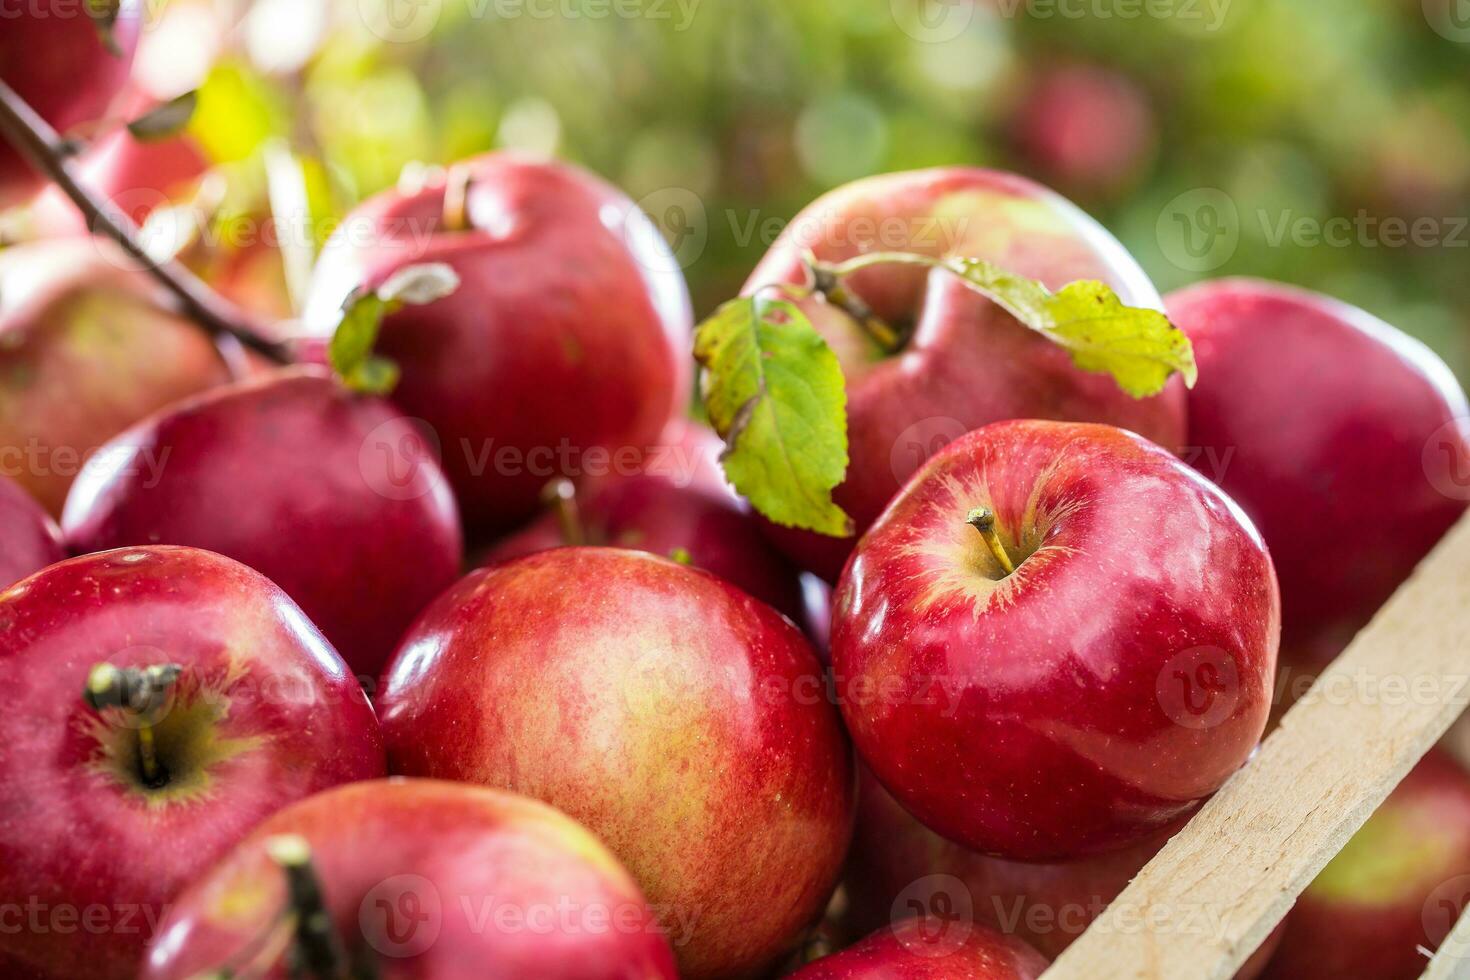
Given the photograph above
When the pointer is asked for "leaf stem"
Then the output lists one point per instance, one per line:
(38, 142)
(827, 280)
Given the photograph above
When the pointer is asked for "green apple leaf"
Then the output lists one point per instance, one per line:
(774, 390)
(1140, 348)
(350, 352)
(166, 120)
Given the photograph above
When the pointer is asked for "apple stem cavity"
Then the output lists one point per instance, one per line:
(317, 952)
(141, 696)
(561, 496)
(826, 281)
(39, 143)
(982, 519)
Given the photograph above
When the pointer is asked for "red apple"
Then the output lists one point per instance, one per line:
(29, 539)
(1086, 128)
(55, 55)
(1344, 439)
(1394, 892)
(667, 510)
(97, 833)
(566, 346)
(87, 348)
(685, 723)
(425, 880)
(1087, 698)
(897, 866)
(930, 949)
(332, 495)
(966, 362)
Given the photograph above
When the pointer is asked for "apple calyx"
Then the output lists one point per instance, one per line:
(316, 951)
(560, 495)
(982, 519)
(142, 695)
(350, 352)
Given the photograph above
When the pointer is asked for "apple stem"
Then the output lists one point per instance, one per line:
(826, 281)
(39, 143)
(141, 694)
(318, 951)
(982, 519)
(561, 496)
(456, 213)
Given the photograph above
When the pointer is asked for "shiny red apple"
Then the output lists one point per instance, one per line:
(1390, 897)
(963, 361)
(566, 347)
(669, 510)
(424, 880)
(29, 538)
(1347, 442)
(685, 723)
(897, 866)
(332, 495)
(927, 948)
(1056, 641)
(87, 348)
(66, 61)
(108, 809)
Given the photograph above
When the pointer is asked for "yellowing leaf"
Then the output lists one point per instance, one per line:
(1140, 348)
(774, 390)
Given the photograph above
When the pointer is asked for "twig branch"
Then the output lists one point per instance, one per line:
(35, 140)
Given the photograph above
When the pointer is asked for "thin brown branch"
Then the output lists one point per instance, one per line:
(35, 140)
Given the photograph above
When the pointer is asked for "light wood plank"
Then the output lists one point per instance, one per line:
(1210, 897)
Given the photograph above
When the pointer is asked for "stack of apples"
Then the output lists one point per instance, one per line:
(267, 720)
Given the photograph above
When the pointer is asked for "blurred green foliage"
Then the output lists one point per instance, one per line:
(1298, 136)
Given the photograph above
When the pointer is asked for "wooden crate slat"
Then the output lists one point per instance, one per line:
(1209, 898)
